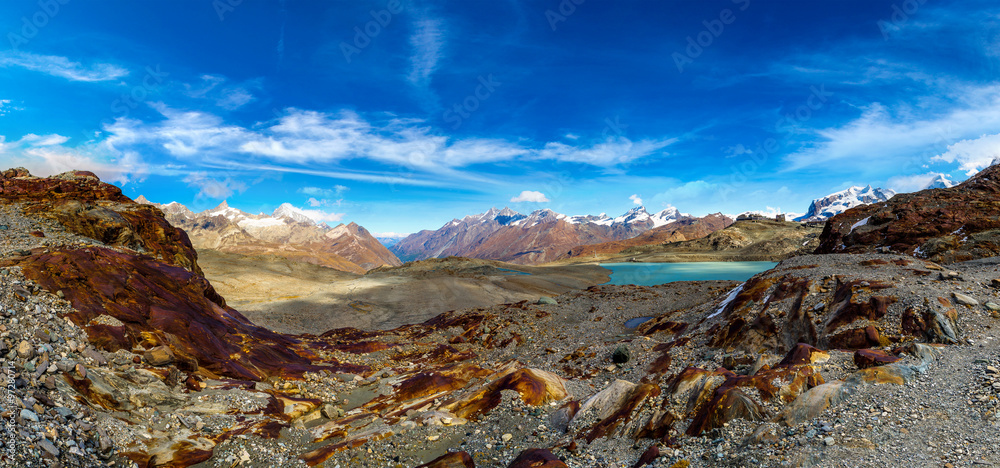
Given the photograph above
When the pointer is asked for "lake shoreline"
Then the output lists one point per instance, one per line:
(654, 273)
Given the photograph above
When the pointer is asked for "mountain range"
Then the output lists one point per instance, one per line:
(831, 205)
(497, 234)
(542, 236)
(287, 232)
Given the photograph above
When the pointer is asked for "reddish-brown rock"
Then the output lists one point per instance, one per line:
(942, 225)
(451, 460)
(160, 304)
(648, 457)
(537, 458)
(86, 206)
(865, 358)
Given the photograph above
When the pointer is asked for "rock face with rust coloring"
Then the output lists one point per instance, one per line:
(86, 206)
(941, 225)
(162, 305)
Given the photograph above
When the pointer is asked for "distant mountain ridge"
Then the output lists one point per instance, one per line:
(684, 228)
(288, 232)
(541, 236)
(831, 205)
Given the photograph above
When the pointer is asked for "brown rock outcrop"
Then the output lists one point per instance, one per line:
(942, 225)
(86, 206)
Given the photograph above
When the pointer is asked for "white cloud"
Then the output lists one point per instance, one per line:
(427, 42)
(611, 152)
(6, 107)
(635, 199)
(43, 140)
(972, 155)
(904, 136)
(530, 196)
(314, 202)
(214, 188)
(390, 235)
(324, 192)
(305, 137)
(44, 155)
(62, 67)
(318, 216)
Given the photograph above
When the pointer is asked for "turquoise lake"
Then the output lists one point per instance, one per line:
(649, 274)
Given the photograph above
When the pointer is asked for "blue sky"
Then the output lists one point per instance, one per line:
(401, 115)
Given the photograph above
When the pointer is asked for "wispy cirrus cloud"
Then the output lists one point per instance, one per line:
(884, 137)
(427, 42)
(307, 138)
(427, 49)
(62, 67)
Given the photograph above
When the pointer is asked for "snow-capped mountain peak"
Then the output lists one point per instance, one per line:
(226, 211)
(286, 210)
(636, 214)
(504, 217)
(939, 182)
(668, 215)
(838, 202)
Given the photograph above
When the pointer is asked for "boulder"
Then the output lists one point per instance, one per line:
(865, 358)
(451, 460)
(25, 350)
(537, 458)
(965, 300)
(621, 355)
(158, 356)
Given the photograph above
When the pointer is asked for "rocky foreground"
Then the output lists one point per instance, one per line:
(120, 353)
